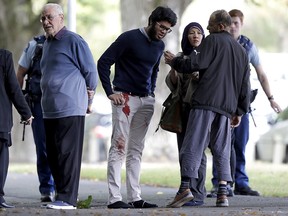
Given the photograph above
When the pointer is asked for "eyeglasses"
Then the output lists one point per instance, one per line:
(48, 17)
(164, 28)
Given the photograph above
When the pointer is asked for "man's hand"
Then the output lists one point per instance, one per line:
(195, 76)
(28, 121)
(90, 94)
(275, 106)
(89, 109)
(117, 99)
(235, 121)
(168, 57)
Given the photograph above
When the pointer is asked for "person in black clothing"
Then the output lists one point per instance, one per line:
(240, 135)
(219, 101)
(184, 85)
(10, 93)
(136, 55)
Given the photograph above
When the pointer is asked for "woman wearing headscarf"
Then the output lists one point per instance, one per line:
(183, 85)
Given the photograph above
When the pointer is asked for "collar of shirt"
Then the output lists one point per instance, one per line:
(144, 33)
(59, 34)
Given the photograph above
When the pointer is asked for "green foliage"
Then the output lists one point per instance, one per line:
(283, 115)
(98, 22)
(270, 180)
(84, 204)
(263, 16)
(89, 13)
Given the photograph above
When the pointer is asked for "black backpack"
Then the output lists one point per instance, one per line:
(34, 72)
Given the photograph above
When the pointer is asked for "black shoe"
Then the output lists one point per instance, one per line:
(213, 192)
(246, 191)
(119, 205)
(5, 205)
(48, 197)
(142, 204)
(230, 192)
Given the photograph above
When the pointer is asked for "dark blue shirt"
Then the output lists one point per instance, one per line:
(68, 69)
(136, 60)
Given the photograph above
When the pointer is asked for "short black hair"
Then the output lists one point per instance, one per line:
(163, 14)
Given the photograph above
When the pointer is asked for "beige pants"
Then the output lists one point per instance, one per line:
(130, 125)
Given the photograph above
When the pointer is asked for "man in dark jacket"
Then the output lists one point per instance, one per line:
(221, 98)
(10, 93)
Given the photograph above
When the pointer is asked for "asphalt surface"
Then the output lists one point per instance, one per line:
(21, 190)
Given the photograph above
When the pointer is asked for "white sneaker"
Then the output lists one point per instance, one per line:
(60, 205)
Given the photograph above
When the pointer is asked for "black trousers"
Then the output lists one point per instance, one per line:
(64, 143)
(4, 163)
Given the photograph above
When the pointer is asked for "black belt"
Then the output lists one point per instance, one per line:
(134, 94)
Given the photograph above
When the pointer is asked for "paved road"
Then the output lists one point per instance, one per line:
(22, 191)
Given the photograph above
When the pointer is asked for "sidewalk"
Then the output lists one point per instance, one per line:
(22, 191)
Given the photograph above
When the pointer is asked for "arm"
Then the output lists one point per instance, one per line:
(25, 61)
(266, 88)
(244, 96)
(177, 63)
(172, 77)
(104, 64)
(21, 72)
(89, 71)
(87, 66)
(195, 61)
(14, 91)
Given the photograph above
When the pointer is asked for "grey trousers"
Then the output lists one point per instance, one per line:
(206, 128)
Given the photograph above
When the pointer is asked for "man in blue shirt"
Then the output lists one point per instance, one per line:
(68, 72)
(136, 55)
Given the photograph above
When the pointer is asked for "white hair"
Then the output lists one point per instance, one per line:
(55, 6)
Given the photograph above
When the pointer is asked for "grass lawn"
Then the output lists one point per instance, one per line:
(269, 179)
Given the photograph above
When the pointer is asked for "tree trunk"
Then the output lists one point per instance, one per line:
(18, 24)
(134, 14)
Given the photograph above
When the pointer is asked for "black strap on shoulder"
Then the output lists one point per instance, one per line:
(37, 53)
(245, 42)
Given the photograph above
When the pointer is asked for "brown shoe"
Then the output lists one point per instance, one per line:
(181, 199)
(222, 200)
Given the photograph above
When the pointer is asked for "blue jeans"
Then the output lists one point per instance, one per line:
(44, 173)
(241, 137)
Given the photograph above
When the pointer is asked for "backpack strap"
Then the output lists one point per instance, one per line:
(37, 53)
